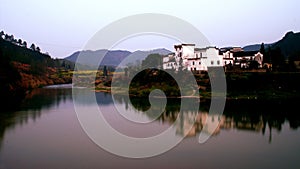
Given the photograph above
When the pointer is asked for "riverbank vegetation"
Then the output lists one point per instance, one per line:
(239, 85)
(23, 69)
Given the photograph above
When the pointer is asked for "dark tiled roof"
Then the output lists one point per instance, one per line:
(244, 53)
(188, 44)
(200, 49)
(193, 59)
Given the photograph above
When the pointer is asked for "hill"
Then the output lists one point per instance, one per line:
(255, 47)
(113, 57)
(92, 57)
(22, 69)
(138, 56)
(289, 45)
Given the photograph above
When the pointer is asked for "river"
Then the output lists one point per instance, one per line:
(46, 133)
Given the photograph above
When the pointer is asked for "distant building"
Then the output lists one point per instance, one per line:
(242, 58)
(188, 57)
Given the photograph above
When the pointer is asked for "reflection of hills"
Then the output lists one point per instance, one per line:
(31, 107)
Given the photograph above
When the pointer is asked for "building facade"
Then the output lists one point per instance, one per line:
(188, 57)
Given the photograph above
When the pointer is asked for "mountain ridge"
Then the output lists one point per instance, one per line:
(289, 45)
(113, 57)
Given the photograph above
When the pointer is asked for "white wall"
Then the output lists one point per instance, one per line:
(188, 51)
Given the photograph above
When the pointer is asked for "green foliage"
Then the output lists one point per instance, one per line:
(9, 83)
(149, 79)
(152, 61)
(105, 71)
(24, 55)
(262, 49)
(277, 59)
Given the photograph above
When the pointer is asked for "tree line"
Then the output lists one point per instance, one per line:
(279, 62)
(19, 42)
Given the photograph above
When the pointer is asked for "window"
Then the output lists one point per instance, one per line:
(225, 62)
(193, 63)
(212, 62)
(194, 68)
(199, 63)
(218, 62)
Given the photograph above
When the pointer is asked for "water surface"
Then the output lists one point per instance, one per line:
(45, 133)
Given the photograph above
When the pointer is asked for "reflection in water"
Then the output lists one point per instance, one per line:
(32, 106)
(249, 115)
(50, 134)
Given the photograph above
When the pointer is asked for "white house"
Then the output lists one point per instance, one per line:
(191, 58)
(169, 62)
(243, 57)
(188, 57)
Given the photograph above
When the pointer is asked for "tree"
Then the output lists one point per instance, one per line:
(267, 57)
(6, 37)
(20, 42)
(38, 49)
(152, 60)
(1, 34)
(253, 64)
(126, 71)
(12, 38)
(277, 59)
(32, 47)
(262, 49)
(104, 71)
(25, 44)
(295, 56)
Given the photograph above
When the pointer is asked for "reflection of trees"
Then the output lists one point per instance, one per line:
(87, 97)
(250, 115)
(31, 107)
(44, 98)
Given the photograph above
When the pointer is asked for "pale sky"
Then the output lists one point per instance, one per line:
(61, 27)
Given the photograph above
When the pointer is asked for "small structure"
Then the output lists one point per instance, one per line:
(244, 58)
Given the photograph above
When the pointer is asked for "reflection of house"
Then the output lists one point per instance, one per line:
(188, 57)
(211, 123)
(185, 125)
(192, 123)
(247, 124)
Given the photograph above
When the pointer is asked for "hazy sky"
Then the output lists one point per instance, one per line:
(62, 27)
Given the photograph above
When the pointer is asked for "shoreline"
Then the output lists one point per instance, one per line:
(240, 97)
